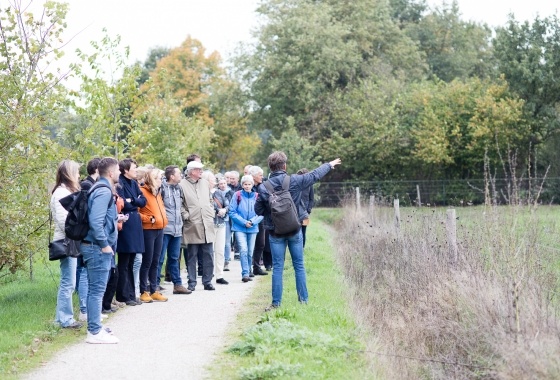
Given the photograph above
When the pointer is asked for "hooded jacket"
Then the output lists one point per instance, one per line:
(172, 200)
(244, 211)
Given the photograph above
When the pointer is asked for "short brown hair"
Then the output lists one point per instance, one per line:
(277, 161)
(169, 171)
(105, 165)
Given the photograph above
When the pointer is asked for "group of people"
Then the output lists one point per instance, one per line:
(146, 215)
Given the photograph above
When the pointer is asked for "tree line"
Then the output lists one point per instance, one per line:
(395, 88)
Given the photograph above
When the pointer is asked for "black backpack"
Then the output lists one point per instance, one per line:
(76, 226)
(282, 208)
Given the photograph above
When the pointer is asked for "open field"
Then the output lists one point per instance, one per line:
(493, 312)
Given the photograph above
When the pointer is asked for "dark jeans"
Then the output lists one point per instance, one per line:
(153, 241)
(111, 288)
(125, 281)
(267, 255)
(259, 247)
(207, 252)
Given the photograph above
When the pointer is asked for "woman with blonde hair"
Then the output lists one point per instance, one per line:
(154, 219)
(67, 182)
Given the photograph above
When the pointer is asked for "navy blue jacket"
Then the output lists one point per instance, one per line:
(131, 237)
(298, 183)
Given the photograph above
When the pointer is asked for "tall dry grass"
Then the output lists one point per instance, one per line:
(493, 314)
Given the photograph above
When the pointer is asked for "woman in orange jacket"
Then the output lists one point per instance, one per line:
(154, 219)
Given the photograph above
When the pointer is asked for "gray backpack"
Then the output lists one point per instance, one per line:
(282, 208)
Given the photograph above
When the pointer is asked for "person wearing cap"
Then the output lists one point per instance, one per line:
(197, 212)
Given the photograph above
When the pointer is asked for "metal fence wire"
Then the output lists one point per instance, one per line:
(441, 192)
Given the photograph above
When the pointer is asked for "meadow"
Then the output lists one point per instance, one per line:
(491, 313)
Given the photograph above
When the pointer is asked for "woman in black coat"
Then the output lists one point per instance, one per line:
(130, 244)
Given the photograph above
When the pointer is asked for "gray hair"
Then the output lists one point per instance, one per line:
(255, 170)
(234, 173)
(247, 178)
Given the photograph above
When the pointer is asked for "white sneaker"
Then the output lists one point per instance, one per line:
(102, 337)
(82, 317)
(103, 316)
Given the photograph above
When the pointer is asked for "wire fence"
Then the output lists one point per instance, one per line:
(441, 192)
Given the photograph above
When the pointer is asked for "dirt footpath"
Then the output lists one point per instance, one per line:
(166, 340)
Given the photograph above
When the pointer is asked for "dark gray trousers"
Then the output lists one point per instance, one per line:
(207, 252)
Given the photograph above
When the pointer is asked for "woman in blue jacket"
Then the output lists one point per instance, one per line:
(245, 223)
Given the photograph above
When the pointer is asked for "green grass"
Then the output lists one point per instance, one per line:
(28, 335)
(319, 340)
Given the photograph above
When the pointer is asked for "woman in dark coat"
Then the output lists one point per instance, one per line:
(130, 244)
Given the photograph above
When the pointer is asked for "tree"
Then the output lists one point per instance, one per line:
(30, 94)
(528, 55)
(106, 102)
(308, 50)
(154, 56)
(454, 49)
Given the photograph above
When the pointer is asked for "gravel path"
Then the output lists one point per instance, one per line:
(173, 339)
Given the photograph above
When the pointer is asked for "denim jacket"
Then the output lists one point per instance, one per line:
(172, 199)
(102, 219)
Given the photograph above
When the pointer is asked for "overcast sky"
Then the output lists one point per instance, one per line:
(221, 24)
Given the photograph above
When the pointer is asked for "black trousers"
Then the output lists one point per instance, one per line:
(111, 288)
(260, 241)
(125, 282)
(153, 241)
(267, 254)
(207, 252)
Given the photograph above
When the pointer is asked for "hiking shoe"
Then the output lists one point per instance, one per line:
(74, 325)
(251, 274)
(191, 288)
(259, 272)
(221, 281)
(180, 289)
(138, 301)
(109, 311)
(271, 307)
(209, 287)
(268, 269)
(82, 317)
(158, 297)
(160, 288)
(131, 303)
(145, 297)
(226, 267)
(246, 279)
(102, 337)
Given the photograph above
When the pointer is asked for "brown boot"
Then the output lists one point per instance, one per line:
(180, 289)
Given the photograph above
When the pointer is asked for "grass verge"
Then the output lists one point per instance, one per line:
(319, 340)
(28, 336)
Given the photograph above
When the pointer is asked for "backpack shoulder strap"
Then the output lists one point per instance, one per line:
(268, 187)
(238, 196)
(286, 183)
(98, 185)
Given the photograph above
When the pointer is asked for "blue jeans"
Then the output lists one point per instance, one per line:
(278, 250)
(246, 244)
(171, 245)
(83, 288)
(64, 308)
(98, 265)
(227, 248)
(136, 273)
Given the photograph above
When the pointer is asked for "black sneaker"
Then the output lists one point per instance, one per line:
(251, 274)
(131, 303)
(221, 281)
(191, 288)
(259, 272)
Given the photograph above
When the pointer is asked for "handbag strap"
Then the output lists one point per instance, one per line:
(50, 225)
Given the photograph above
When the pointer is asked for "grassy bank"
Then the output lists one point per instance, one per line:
(319, 340)
(492, 313)
(28, 335)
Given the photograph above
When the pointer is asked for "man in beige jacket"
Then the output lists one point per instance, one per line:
(198, 224)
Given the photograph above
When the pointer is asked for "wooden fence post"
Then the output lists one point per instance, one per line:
(397, 214)
(418, 200)
(452, 235)
(358, 201)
